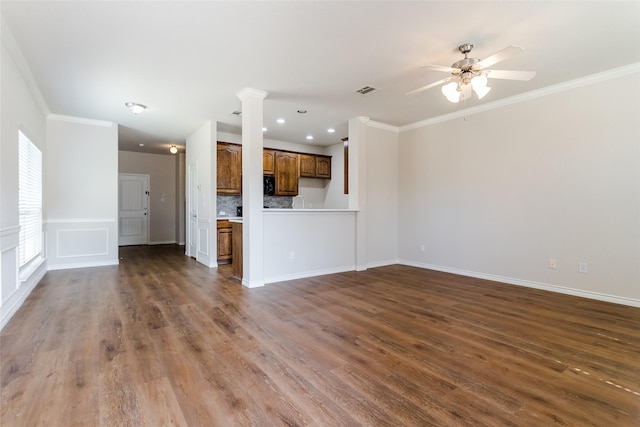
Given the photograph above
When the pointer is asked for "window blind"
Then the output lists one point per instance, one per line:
(29, 199)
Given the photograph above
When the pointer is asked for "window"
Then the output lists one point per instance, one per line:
(29, 199)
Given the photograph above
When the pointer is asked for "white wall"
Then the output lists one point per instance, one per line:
(381, 201)
(161, 169)
(558, 177)
(82, 193)
(201, 152)
(303, 244)
(20, 109)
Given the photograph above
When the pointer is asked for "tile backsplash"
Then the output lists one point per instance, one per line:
(228, 204)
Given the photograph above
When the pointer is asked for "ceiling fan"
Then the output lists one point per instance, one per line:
(470, 75)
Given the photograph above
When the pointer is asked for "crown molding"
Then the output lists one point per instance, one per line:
(10, 44)
(383, 126)
(80, 120)
(538, 93)
(251, 93)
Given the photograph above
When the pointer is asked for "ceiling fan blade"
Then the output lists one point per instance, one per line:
(511, 75)
(499, 56)
(429, 86)
(439, 68)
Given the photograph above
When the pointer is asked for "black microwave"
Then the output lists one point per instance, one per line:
(269, 185)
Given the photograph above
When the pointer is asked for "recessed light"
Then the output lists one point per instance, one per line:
(302, 111)
(309, 137)
(331, 130)
(140, 145)
(264, 129)
(281, 121)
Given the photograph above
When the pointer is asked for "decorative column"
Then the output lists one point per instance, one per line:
(252, 193)
(357, 185)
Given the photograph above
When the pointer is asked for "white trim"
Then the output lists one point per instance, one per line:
(17, 298)
(251, 93)
(9, 238)
(382, 263)
(528, 284)
(105, 252)
(383, 126)
(16, 54)
(165, 242)
(306, 274)
(78, 220)
(82, 265)
(253, 284)
(81, 120)
(538, 93)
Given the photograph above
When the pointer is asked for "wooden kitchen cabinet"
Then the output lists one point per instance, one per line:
(229, 168)
(268, 162)
(307, 165)
(323, 167)
(286, 172)
(315, 166)
(225, 241)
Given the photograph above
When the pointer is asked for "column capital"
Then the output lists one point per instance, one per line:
(247, 93)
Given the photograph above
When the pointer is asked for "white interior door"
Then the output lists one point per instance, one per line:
(192, 203)
(133, 203)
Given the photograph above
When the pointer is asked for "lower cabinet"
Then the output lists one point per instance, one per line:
(225, 240)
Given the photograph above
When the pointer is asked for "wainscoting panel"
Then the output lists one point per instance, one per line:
(81, 242)
(13, 290)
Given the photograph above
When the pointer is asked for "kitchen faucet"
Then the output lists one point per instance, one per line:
(293, 200)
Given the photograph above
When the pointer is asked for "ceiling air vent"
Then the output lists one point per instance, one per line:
(366, 90)
(236, 113)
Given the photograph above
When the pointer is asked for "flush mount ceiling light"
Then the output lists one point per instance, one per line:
(173, 149)
(135, 108)
(309, 137)
(331, 130)
(264, 129)
(280, 121)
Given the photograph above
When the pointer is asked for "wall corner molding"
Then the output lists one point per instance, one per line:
(80, 120)
(538, 93)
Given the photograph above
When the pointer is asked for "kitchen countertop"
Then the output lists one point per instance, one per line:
(228, 218)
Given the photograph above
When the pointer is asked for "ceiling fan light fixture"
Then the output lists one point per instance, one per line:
(479, 82)
(482, 92)
(450, 89)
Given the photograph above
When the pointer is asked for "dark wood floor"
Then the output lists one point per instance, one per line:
(161, 340)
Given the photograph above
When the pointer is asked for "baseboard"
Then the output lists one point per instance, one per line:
(528, 283)
(307, 274)
(168, 242)
(382, 263)
(82, 265)
(13, 304)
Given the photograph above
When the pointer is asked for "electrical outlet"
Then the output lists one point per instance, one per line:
(422, 247)
(552, 263)
(222, 213)
(292, 255)
(583, 267)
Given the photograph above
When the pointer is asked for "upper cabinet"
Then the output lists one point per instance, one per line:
(268, 161)
(229, 168)
(315, 166)
(286, 172)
